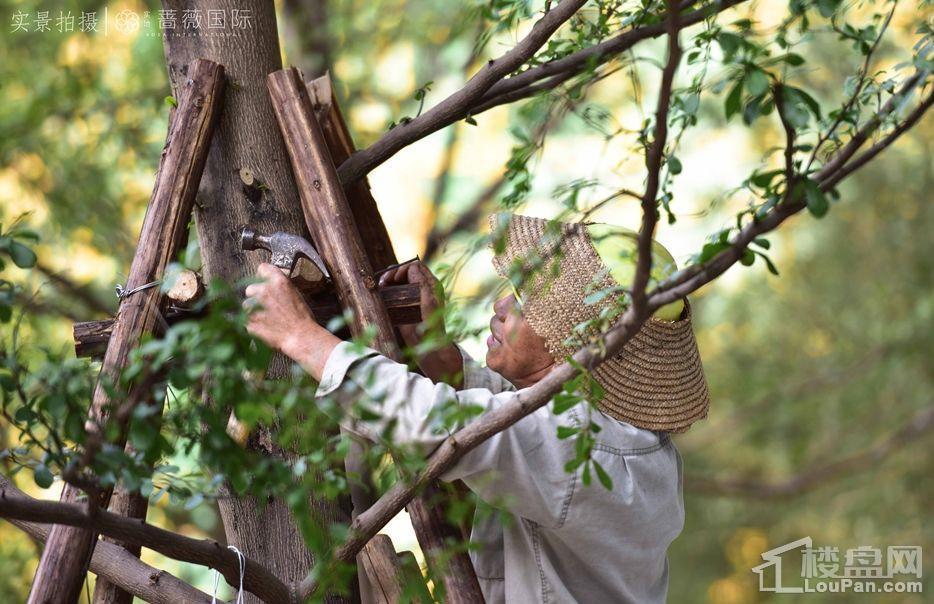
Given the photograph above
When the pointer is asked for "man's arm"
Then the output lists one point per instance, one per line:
(511, 465)
(282, 320)
(444, 364)
(520, 469)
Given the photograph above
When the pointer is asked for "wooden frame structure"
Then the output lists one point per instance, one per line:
(351, 236)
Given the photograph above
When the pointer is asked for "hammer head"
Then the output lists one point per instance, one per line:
(285, 248)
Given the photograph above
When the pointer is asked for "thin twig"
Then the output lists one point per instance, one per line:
(452, 108)
(653, 164)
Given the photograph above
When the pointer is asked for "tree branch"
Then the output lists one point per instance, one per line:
(553, 73)
(812, 478)
(452, 108)
(692, 278)
(874, 150)
(502, 91)
(863, 134)
(206, 552)
(530, 399)
(119, 566)
(653, 164)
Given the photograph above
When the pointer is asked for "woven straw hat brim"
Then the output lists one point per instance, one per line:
(657, 382)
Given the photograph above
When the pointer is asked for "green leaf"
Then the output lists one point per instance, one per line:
(42, 476)
(753, 109)
(816, 200)
(757, 82)
(564, 401)
(674, 165)
(22, 256)
(470, 120)
(25, 234)
(768, 263)
(794, 59)
(729, 42)
(24, 415)
(762, 242)
(748, 258)
(810, 101)
(712, 249)
(603, 477)
(597, 296)
(826, 8)
(567, 431)
(733, 99)
(170, 101)
(764, 179)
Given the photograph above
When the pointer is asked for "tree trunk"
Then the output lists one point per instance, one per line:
(247, 137)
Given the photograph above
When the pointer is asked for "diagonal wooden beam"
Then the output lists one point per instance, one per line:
(366, 214)
(68, 550)
(331, 222)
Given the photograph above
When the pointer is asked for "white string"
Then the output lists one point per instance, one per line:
(241, 560)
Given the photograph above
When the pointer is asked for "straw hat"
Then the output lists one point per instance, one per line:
(657, 382)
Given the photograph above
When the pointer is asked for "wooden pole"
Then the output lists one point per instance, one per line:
(402, 303)
(331, 223)
(68, 550)
(379, 249)
(366, 215)
(131, 504)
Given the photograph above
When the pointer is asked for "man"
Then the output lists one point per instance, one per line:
(553, 538)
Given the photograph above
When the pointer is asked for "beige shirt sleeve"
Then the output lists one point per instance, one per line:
(520, 469)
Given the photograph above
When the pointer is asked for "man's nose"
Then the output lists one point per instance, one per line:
(502, 307)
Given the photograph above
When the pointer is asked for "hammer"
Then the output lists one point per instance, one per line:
(285, 248)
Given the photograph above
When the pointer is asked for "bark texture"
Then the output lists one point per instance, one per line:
(247, 137)
(132, 505)
(118, 565)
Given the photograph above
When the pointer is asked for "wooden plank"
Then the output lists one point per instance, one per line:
(381, 564)
(131, 504)
(331, 223)
(366, 215)
(402, 303)
(68, 550)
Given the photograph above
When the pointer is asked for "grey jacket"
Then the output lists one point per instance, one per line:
(551, 538)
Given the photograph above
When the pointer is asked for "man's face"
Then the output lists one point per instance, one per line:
(515, 351)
